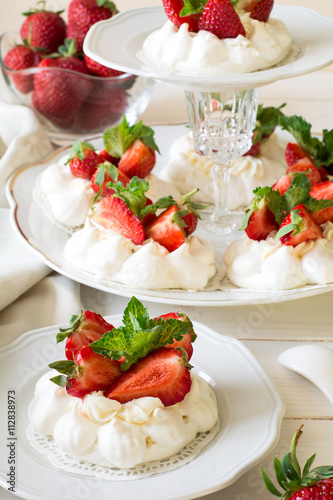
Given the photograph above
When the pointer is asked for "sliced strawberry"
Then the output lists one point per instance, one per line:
(294, 153)
(106, 156)
(323, 191)
(283, 183)
(162, 374)
(88, 373)
(96, 184)
(113, 213)
(308, 168)
(254, 150)
(261, 222)
(83, 330)
(299, 226)
(173, 9)
(167, 229)
(220, 18)
(187, 339)
(138, 160)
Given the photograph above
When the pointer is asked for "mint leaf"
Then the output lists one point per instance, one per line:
(267, 121)
(162, 203)
(133, 194)
(326, 158)
(139, 335)
(74, 323)
(193, 7)
(118, 139)
(265, 196)
(299, 192)
(301, 130)
(313, 205)
(110, 169)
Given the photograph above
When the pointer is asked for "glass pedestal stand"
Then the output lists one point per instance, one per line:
(222, 124)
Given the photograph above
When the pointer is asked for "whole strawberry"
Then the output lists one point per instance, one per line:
(220, 18)
(58, 95)
(174, 11)
(18, 58)
(83, 160)
(43, 29)
(82, 14)
(309, 484)
(99, 70)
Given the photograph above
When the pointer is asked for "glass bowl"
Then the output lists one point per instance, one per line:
(73, 105)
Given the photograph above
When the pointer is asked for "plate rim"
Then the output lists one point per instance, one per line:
(246, 80)
(269, 392)
(181, 297)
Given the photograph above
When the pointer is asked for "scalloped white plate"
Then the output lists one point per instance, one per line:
(250, 408)
(311, 32)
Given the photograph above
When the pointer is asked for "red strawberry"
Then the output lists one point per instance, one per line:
(191, 222)
(83, 160)
(22, 57)
(83, 330)
(105, 105)
(113, 213)
(167, 229)
(323, 191)
(294, 153)
(103, 171)
(43, 29)
(88, 373)
(60, 94)
(220, 18)
(112, 159)
(261, 222)
(162, 374)
(299, 226)
(260, 10)
(315, 484)
(173, 9)
(283, 183)
(308, 168)
(138, 160)
(99, 70)
(149, 218)
(82, 14)
(187, 339)
(254, 150)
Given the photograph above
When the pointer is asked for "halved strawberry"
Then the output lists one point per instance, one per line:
(83, 160)
(323, 191)
(261, 222)
(173, 10)
(104, 174)
(220, 18)
(187, 339)
(113, 213)
(299, 226)
(304, 165)
(83, 329)
(88, 373)
(283, 183)
(163, 374)
(167, 229)
(112, 159)
(138, 160)
(294, 153)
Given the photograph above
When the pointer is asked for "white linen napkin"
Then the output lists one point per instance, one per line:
(22, 141)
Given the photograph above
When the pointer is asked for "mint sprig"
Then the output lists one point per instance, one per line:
(266, 122)
(139, 335)
(118, 139)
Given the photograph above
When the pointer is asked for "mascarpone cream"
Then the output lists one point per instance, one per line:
(104, 432)
(180, 51)
(187, 170)
(268, 264)
(111, 256)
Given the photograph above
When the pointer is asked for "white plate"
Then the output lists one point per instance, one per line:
(47, 241)
(311, 32)
(250, 409)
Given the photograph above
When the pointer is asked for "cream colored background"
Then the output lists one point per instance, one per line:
(10, 11)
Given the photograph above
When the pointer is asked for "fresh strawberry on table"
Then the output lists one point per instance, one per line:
(59, 95)
(98, 69)
(221, 19)
(297, 484)
(82, 14)
(82, 330)
(83, 160)
(43, 29)
(22, 57)
(87, 373)
(134, 145)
